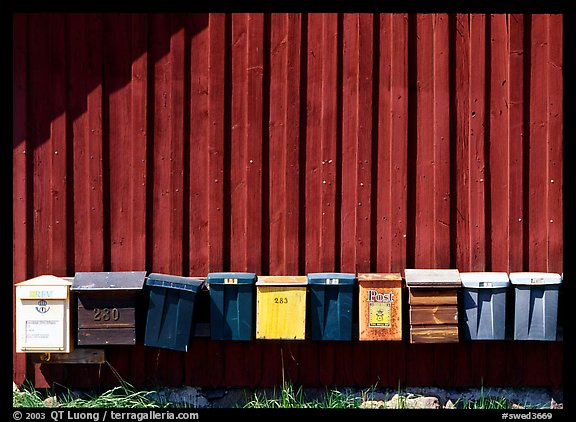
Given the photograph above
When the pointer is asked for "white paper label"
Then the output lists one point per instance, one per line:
(43, 332)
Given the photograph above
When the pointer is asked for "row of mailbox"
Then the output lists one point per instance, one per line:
(318, 306)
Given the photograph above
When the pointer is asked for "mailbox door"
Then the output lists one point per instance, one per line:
(380, 310)
(331, 312)
(106, 318)
(43, 325)
(281, 312)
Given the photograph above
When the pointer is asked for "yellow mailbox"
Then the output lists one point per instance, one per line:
(43, 315)
(281, 307)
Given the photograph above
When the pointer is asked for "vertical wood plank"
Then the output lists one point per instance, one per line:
(21, 203)
(554, 144)
(356, 142)
(284, 128)
(538, 155)
(85, 106)
(392, 159)
(125, 144)
(516, 138)
(499, 160)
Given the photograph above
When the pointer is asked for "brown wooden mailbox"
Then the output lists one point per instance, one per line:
(433, 300)
(107, 306)
(380, 300)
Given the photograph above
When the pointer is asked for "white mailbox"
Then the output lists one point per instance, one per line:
(43, 315)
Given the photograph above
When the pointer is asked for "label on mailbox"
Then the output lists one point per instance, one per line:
(380, 311)
(230, 281)
(379, 315)
(43, 332)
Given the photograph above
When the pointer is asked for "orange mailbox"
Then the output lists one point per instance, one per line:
(380, 306)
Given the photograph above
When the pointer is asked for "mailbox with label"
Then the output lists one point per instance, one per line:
(433, 300)
(107, 306)
(281, 307)
(170, 311)
(380, 306)
(231, 305)
(43, 315)
(330, 310)
(535, 305)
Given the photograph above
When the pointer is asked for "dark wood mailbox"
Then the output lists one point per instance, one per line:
(433, 300)
(107, 306)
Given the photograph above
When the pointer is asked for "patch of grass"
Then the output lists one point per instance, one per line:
(124, 396)
(289, 397)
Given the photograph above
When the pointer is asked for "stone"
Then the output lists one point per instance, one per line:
(373, 404)
(51, 402)
(449, 405)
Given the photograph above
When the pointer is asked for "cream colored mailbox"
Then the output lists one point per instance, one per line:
(43, 315)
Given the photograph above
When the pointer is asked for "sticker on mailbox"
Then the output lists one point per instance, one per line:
(380, 313)
(42, 330)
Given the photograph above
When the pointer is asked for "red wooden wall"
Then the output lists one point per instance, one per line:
(289, 144)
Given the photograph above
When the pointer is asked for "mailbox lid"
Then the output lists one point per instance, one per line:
(331, 278)
(223, 277)
(535, 278)
(117, 280)
(379, 277)
(175, 282)
(444, 278)
(282, 280)
(43, 287)
(485, 280)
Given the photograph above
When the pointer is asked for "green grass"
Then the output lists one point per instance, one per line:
(123, 396)
(294, 398)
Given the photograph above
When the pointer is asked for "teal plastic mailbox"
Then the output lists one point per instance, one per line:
(330, 305)
(170, 310)
(231, 305)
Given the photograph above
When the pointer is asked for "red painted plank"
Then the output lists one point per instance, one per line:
(284, 128)
(424, 167)
(356, 142)
(199, 142)
(216, 142)
(515, 356)
(49, 142)
(538, 155)
(476, 158)
(20, 175)
(499, 160)
(441, 130)
(125, 96)
(392, 159)
(327, 363)
(555, 141)
(517, 140)
(85, 106)
(496, 360)
(462, 124)
(246, 184)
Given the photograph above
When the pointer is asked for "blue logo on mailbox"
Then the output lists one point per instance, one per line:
(42, 307)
